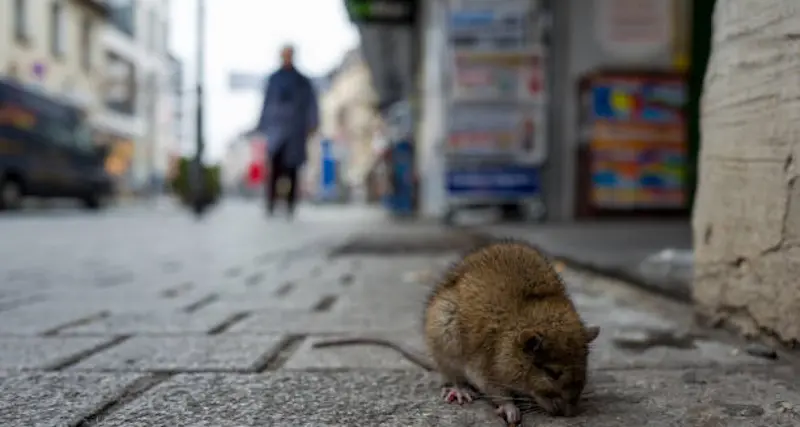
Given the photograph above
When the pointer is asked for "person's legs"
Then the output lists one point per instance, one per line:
(291, 196)
(271, 187)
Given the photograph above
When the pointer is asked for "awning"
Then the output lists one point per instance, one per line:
(388, 30)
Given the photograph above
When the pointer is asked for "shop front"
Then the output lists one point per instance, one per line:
(119, 159)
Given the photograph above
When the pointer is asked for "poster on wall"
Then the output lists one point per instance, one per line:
(495, 26)
(634, 29)
(481, 76)
(638, 142)
(508, 181)
(497, 131)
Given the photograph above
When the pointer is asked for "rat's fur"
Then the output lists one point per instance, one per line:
(501, 321)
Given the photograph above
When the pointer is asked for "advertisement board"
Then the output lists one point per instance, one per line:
(497, 130)
(494, 26)
(511, 77)
(511, 181)
(638, 143)
(496, 139)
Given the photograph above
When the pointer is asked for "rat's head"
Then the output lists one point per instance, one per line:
(549, 365)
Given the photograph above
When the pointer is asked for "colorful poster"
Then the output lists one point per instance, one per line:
(638, 145)
(509, 77)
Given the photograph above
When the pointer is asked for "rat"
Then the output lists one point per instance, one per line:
(501, 323)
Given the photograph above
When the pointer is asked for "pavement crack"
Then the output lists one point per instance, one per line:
(274, 360)
(77, 358)
(202, 302)
(284, 289)
(254, 279)
(79, 322)
(325, 303)
(225, 325)
(178, 290)
(233, 272)
(129, 394)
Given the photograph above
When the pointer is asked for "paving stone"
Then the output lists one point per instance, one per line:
(153, 322)
(41, 317)
(357, 356)
(606, 353)
(185, 353)
(301, 322)
(617, 398)
(56, 399)
(298, 298)
(297, 399)
(18, 353)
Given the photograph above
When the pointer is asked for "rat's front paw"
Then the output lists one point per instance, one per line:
(509, 412)
(456, 394)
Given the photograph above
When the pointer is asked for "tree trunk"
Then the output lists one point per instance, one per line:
(747, 207)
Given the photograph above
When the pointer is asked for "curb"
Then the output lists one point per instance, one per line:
(675, 289)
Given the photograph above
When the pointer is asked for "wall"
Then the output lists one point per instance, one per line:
(61, 75)
(747, 207)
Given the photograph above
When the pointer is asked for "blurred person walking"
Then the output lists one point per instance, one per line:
(289, 116)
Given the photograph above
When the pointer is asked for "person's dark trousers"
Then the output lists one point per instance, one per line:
(277, 170)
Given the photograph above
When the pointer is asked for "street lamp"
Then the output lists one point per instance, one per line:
(199, 199)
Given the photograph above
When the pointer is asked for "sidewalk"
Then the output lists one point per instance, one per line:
(652, 254)
(233, 347)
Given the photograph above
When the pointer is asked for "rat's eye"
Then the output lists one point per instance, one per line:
(551, 372)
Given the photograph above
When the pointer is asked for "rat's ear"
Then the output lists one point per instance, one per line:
(592, 332)
(533, 344)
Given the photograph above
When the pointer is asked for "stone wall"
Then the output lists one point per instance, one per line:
(747, 214)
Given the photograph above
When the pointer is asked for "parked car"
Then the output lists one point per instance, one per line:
(46, 150)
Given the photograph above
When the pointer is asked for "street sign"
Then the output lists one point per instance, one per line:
(239, 80)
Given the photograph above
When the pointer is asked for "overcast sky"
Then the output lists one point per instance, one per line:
(245, 35)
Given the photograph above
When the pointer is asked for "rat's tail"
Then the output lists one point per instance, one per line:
(412, 356)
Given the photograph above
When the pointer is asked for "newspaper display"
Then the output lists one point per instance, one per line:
(496, 122)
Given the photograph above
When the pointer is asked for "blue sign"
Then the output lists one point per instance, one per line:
(400, 199)
(328, 171)
(501, 181)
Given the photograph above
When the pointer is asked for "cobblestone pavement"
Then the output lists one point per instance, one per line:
(153, 319)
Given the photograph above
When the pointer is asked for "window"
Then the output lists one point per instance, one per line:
(21, 20)
(86, 43)
(120, 94)
(58, 32)
(122, 15)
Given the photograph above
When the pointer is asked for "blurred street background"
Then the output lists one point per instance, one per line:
(647, 146)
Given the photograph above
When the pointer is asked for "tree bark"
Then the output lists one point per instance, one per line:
(747, 206)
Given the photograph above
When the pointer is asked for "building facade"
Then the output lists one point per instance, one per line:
(54, 46)
(137, 92)
(349, 118)
(171, 149)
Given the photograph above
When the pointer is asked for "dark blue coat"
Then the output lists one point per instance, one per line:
(289, 113)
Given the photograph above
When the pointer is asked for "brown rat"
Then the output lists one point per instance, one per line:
(502, 322)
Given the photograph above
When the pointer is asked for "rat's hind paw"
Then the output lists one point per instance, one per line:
(509, 412)
(456, 394)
